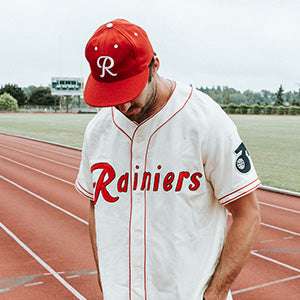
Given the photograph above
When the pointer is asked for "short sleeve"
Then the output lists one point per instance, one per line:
(229, 166)
(83, 182)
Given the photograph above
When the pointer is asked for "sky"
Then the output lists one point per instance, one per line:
(241, 44)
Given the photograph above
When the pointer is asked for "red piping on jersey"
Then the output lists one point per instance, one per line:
(238, 189)
(77, 183)
(131, 155)
(113, 118)
(130, 219)
(145, 211)
(239, 196)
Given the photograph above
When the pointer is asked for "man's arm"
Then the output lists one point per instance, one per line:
(92, 230)
(238, 244)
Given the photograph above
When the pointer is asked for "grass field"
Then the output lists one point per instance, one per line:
(273, 141)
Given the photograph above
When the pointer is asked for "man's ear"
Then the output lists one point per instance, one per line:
(153, 68)
(156, 65)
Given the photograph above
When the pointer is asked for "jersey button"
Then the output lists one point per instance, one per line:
(139, 161)
(138, 233)
(139, 139)
(138, 269)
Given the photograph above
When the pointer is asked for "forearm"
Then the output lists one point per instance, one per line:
(92, 231)
(237, 247)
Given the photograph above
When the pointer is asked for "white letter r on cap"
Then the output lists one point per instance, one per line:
(104, 65)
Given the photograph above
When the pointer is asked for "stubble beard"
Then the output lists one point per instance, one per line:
(150, 106)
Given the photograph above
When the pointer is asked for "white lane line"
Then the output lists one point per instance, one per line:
(288, 237)
(45, 265)
(44, 200)
(33, 284)
(44, 149)
(275, 227)
(34, 169)
(266, 241)
(254, 252)
(73, 276)
(280, 229)
(264, 284)
(34, 155)
(280, 207)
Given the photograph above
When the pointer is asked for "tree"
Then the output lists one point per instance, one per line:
(28, 90)
(8, 102)
(41, 96)
(279, 97)
(250, 97)
(15, 92)
(212, 94)
(225, 96)
(295, 102)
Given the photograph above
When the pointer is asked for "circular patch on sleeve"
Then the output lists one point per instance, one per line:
(242, 162)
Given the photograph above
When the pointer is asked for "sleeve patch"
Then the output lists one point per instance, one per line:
(242, 163)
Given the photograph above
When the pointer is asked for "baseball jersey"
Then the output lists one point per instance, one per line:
(159, 189)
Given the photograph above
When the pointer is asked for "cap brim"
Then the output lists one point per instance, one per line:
(104, 94)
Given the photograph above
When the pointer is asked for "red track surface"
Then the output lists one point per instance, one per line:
(45, 250)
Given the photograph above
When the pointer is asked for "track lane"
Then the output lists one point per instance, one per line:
(280, 218)
(285, 201)
(258, 272)
(36, 146)
(67, 172)
(42, 263)
(58, 192)
(57, 239)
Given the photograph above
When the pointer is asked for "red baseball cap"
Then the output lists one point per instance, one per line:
(119, 54)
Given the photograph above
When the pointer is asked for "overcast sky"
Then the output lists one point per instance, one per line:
(237, 43)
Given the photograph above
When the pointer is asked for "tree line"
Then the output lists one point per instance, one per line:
(31, 95)
(13, 95)
(228, 95)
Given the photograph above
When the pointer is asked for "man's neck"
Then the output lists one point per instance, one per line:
(162, 90)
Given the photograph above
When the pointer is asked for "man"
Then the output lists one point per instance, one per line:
(161, 163)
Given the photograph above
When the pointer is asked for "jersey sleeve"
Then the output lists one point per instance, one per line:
(229, 166)
(83, 182)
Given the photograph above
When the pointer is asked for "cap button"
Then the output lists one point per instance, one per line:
(109, 25)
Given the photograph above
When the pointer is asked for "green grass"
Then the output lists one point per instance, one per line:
(274, 145)
(67, 129)
(273, 141)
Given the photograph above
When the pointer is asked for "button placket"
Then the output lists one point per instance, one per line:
(138, 217)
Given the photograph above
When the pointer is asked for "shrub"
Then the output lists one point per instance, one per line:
(280, 110)
(294, 110)
(231, 109)
(256, 109)
(268, 110)
(224, 107)
(243, 109)
(8, 102)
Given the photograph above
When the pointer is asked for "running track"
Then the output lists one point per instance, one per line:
(45, 250)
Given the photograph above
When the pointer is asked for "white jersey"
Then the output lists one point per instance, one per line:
(159, 190)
